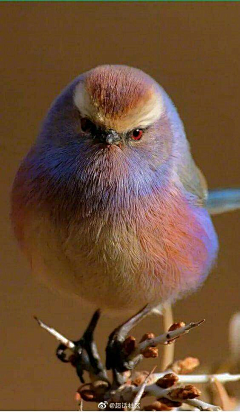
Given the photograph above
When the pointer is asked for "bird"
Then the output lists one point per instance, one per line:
(109, 205)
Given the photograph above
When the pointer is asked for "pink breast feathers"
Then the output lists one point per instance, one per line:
(179, 245)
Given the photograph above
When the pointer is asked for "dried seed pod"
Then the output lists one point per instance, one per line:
(129, 345)
(170, 403)
(150, 352)
(186, 365)
(157, 406)
(187, 392)
(147, 336)
(167, 380)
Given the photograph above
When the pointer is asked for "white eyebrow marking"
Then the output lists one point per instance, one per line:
(146, 115)
(141, 116)
(82, 101)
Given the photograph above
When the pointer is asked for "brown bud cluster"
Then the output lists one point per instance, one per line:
(176, 325)
(184, 366)
(150, 352)
(173, 327)
(129, 345)
(147, 336)
(167, 380)
(187, 392)
(140, 377)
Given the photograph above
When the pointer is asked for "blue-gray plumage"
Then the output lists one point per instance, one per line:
(223, 200)
(109, 204)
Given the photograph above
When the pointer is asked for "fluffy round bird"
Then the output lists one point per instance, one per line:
(108, 204)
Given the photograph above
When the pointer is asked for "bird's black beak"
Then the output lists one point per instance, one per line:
(111, 137)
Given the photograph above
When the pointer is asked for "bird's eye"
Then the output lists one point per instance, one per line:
(137, 134)
(86, 125)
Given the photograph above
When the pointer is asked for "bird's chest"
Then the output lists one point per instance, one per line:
(154, 249)
(155, 234)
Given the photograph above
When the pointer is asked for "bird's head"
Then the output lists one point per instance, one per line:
(117, 105)
(112, 117)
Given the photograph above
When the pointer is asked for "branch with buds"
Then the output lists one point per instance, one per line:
(171, 388)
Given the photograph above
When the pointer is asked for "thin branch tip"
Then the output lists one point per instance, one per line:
(200, 322)
(39, 321)
(66, 342)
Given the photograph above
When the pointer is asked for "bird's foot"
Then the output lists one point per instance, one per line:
(119, 347)
(85, 355)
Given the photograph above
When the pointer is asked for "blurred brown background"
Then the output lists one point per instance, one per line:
(192, 49)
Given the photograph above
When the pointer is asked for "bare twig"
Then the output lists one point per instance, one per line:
(164, 338)
(202, 406)
(158, 392)
(66, 342)
(222, 377)
(141, 390)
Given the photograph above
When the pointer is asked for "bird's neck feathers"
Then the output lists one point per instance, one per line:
(97, 182)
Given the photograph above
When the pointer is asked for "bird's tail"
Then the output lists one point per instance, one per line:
(223, 200)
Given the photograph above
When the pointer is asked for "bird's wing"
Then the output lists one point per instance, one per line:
(193, 180)
(216, 201)
(223, 200)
